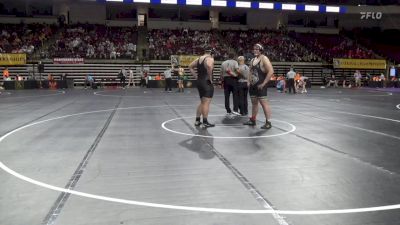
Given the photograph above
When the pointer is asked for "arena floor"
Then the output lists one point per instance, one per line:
(133, 156)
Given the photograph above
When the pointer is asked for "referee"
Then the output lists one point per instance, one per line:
(243, 75)
(290, 76)
(229, 74)
(168, 79)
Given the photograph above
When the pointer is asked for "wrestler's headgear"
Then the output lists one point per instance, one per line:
(211, 51)
(259, 46)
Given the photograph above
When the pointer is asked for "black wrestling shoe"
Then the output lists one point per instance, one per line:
(197, 123)
(250, 123)
(207, 125)
(267, 125)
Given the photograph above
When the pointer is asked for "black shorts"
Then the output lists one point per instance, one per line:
(258, 93)
(206, 89)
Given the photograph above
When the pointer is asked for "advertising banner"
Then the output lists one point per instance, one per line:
(12, 59)
(359, 63)
(68, 61)
(185, 60)
(182, 60)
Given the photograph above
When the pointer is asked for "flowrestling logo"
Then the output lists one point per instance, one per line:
(371, 15)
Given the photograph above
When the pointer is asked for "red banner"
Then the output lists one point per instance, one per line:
(68, 61)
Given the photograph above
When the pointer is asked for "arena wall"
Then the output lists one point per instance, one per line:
(319, 30)
(87, 13)
(28, 20)
(96, 13)
(121, 23)
(260, 19)
(352, 19)
(168, 24)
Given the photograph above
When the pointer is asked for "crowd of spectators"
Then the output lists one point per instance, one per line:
(384, 43)
(103, 42)
(164, 43)
(24, 38)
(95, 41)
(277, 45)
(329, 46)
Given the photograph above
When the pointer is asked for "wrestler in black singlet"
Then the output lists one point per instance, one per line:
(204, 84)
(257, 78)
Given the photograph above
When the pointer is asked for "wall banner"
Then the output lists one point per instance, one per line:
(68, 61)
(12, 59)
(359, 64)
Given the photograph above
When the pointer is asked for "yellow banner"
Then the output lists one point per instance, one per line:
(185, 60)
(359, 64)
(12, 59)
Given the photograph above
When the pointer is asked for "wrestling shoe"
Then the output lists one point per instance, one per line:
(250, 122)
(207, 125)
(267, 125)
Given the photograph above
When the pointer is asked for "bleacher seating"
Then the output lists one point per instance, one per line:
(278, 46)
(24, 38)
(329, 46)
(95, 41)
(385, 43)
(164, 43)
